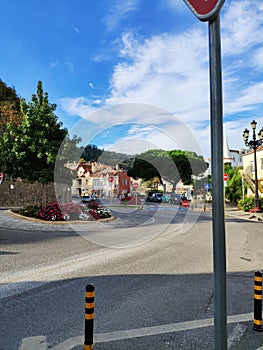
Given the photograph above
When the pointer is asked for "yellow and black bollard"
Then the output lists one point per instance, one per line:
(89, 317)
(257, 326)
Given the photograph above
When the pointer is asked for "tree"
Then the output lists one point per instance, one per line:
(168, 165)
(91, 153)
(233, 190)
(9, 107)
(188, 164)
(144, 169)
(69, 152)
(29, 149)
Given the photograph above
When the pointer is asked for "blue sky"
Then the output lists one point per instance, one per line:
(128, 75)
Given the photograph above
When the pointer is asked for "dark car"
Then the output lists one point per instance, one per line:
(154, 197)
(175, 199)
(90, 198)
(179, 199)
(86, 199)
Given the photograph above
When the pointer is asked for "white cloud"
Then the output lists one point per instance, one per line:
(101, 58)
(241, 26)
(248, 99)
(76, 30)
(54, 64)
(165, 71)
(70, 66)
(171, 71)
(79, 106)
(177, 5)
(257, 59)
(119, 10)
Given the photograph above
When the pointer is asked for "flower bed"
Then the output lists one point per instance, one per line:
(66, 211)
(130, 200)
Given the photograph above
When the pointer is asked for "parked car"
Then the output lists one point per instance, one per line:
(154, 197)
(185, 203)
(86, 199)
(175, 198)
(166, 198)
(179, 199)
(89, 198)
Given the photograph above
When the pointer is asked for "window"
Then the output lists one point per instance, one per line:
(252, 166)
(124, 181)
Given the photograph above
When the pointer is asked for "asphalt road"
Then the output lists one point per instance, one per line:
(153, 290)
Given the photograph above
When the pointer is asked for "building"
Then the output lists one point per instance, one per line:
(249, 171)
(230, 156)
(101, 180)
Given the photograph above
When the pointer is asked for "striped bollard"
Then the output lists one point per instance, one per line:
(257, 326)
(89, 317)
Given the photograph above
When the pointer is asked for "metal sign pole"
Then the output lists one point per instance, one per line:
(218, 210)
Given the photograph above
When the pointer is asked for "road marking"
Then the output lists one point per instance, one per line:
(169, 328)
(33, 343)
(69, 343)
(39, 343)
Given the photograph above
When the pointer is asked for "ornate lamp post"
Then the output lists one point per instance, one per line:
(254, 144)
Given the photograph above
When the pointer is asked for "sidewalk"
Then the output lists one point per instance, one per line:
(231, 210)
(236, 212)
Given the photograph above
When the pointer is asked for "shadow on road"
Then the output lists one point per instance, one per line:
(56, 310)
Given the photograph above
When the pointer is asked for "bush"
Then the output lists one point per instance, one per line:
(29, 211)
(131, 200)
(248, 204)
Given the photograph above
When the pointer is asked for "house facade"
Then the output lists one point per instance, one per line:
(101, 180)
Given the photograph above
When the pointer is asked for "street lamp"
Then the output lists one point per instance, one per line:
(254, 144)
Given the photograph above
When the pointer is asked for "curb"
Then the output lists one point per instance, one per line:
(44, 222)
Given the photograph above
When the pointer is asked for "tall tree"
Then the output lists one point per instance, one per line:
(91, 153)
(69, 152)
(168, 165)
(29, 149)
(188, 164)
(233, 190)
(9, 107)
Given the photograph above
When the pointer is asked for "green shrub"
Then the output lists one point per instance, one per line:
(29, 211)
(248, 203)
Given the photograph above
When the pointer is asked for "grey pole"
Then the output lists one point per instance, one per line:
(218, 209)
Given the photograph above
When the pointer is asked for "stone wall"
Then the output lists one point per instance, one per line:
(21, 194)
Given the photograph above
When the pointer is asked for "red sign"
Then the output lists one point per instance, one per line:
(205, 9)
(225, 177)
(111, 178)
(135, 185)
(1, 176)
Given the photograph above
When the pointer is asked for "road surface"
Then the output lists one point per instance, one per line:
(152, 291)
